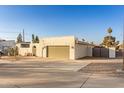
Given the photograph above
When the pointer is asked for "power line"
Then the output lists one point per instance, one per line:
(14, 32)
(2, 31)
(123, 46)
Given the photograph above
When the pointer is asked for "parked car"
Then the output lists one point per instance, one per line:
(1, 53)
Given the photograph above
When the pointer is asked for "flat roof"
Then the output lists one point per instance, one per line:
(57, 37)
(24, 43)
(84, 43)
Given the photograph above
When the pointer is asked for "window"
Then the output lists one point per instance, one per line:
(25, 45)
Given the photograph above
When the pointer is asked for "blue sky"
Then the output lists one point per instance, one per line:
(88, 22)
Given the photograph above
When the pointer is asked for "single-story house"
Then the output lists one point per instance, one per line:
(66, 47)
(120, 46)
(5, 45)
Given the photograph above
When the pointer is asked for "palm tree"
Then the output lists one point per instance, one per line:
(109, 31)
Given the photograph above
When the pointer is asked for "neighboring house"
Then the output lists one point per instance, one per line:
(120, 46)
(119, 52)
(5, 45)
(66, 47)
(24, 48)
(1, 52)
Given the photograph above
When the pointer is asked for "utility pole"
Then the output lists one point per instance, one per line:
(123, 47)
(23, 36)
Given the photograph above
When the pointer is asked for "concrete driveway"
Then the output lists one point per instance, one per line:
(42, 73)
(104, 74)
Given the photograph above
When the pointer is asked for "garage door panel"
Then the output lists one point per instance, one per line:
(58, 51)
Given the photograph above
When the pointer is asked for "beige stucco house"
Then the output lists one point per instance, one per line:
(66, 47)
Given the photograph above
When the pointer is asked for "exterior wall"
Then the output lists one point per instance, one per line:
(112, 52)
(80, 51)
(83, 50)
(90, 51)
(58, 41)
(23, 51)
(41, 47)
(75, 50)
(38, 49)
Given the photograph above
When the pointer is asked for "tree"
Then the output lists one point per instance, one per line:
(83, 40)
(109, 31)
(19, 38)
(11, 51)
(37, 39)
(33, 39)
(16, 50)
(109, 41)
(117, 42)
(92, 43)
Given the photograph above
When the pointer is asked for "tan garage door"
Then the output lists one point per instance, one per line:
(61, 52)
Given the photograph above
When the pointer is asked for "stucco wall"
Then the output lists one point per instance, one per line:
(90, 51)
(76, 50)
(58, 41)
(80, 51)
(112, 52)
(38, 49)
(41, 47)
(23, 51)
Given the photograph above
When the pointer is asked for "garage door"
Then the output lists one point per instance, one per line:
(61, 52)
